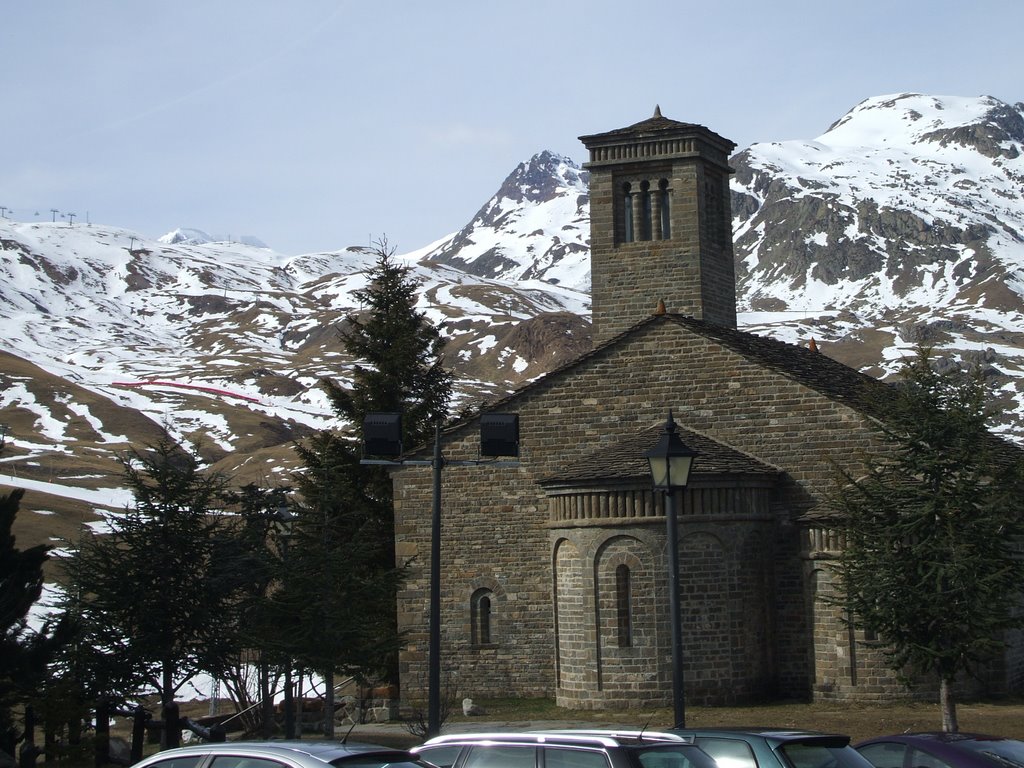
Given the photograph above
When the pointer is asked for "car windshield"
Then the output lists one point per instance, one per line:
(671, 756)
(1005, 751)
(816, 756)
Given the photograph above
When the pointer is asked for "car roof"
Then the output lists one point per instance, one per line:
(755, 731)
(324, 751)
(777, 735)
(628, 734)
(594, 737)
(940, 736)
(335, 748)
(934, 736)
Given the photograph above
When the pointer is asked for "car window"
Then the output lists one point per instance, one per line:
(241, 761)
(728, 753)
(921, 759)
(886, 754)
(443, 755)
(501, 756)
(184, 761)
(558, 757)
(672, 756)
(800, 755)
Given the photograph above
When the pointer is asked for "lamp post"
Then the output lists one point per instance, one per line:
(670, 461)
(382, 436)
(284, 519)
(434, 635)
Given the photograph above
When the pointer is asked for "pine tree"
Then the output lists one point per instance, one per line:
(399, 351)
(154, 596)
(932, 562)
(24, 653)
(346, 569)
(399, 370)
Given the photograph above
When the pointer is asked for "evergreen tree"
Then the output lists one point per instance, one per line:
(345, 568)
(400, 352)
(24, 653)
(932, 562)
(154, 596)
(252, 558)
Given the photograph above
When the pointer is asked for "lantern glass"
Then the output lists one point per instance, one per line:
(671, 459)
(670, 471)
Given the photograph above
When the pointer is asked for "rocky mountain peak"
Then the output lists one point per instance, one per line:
(191, 236)
(536, 226)
(541, 178)
(906, 211)
(999, 134)
(983, 124)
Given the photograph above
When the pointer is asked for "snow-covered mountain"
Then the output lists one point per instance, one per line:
(537, 226)
(902, 223)
(188, 236)
(109, 337)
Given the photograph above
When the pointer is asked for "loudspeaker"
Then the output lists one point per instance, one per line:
(499, 434)
(382, 434)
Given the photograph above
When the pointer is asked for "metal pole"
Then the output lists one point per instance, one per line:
(672, 532)
(434, 659)
(289, 702)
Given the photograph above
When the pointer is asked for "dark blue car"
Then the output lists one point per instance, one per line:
(942, 750)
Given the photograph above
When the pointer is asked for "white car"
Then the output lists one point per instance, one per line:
(282, 754)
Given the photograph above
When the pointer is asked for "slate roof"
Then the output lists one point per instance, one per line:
(657, 124)
(808, 367)
(625, 460)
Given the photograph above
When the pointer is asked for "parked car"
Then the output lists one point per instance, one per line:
(282, 754)
(774, 748)
(943, 750)
(562, 749)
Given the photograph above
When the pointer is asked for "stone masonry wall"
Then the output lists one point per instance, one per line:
(495, 522)
(611, 675)
(692, 270)
(852, 666)
(573, 677)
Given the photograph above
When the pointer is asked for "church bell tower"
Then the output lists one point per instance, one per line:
(660, 224)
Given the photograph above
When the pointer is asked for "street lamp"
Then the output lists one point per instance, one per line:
(671, 460)
(284, 519)
(382, 436)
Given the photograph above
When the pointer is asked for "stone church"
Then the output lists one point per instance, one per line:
(553, 572)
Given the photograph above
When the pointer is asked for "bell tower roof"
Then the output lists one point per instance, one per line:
(654, 129)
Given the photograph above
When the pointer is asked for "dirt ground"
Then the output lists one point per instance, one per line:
(998, 718)
(858, 722)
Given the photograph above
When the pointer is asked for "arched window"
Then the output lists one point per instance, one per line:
(481, 607)
(628, 234)
(645, 211)
(666, 209)
(623, 606)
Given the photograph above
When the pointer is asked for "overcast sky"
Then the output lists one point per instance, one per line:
(318, 124)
